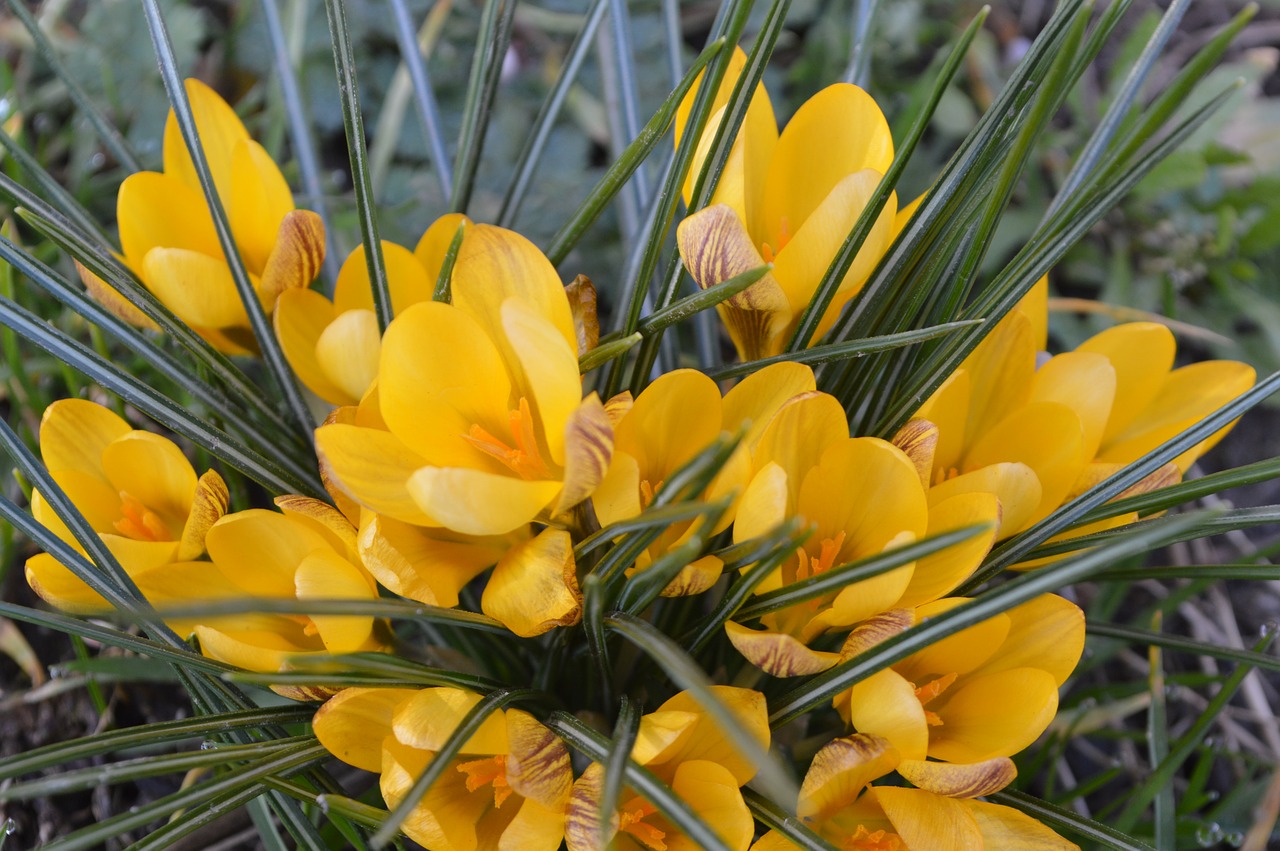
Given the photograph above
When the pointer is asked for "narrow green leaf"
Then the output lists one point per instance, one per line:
(615, 764)
(773, 779)
(1243, 572)
(1158, 744)
(595, 746)
(1183, 492)
(701, 300)
(444, 281)
(1150, 638)
(774, 817)
(51, 188)
(486, 69)
(383, 607)
(357, 150)
(272, 355)
(607, 351)
(423, 92)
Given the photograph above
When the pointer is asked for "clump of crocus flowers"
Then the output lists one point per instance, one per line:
(468, 467)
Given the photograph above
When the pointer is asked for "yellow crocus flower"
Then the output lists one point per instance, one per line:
(168, 238)
(334, 346)
(480, 426)
(307, 550)
(506, 789)
(986, 692)
(135, 488)
(789, 200)
(838, 801)
(689, 752)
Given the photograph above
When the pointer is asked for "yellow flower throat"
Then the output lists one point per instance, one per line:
(490, 770)
(525, 458)
(139, 522)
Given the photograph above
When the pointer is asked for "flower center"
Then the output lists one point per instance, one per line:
(767, 251)
(632, 821)
(648, 492)
(491, 770)
(872, 840)
(525, 458)
(945, 475)
(139, 522)
(929, 691)
(825, 560)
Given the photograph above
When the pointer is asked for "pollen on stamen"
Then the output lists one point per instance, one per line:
(491, 770)
(632, 821)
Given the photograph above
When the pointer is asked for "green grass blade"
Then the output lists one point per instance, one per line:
(353, 123)
(615, 764)
(382, 607)
(701, 300)
(531, 153)
(486, 69)
(817, 306)
(110, 135)
(1158, 745)
(61, 753)
(272, 355)
(444, 281)
(1068, 822)
(423, 93)
(1133, 635)
(595, 746)
(160, 408)
(608, 351)
(1243, 572)
(1183, 492)
(443, 758)
(625, 165)
(821, 688)
(52, 189)
(300, 136)
(768, 813)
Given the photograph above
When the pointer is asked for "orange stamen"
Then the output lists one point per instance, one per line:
(525, 458)
(648, 492)
(872, 840)
(766, 251)
(945, 475)
(827, 553)
(139, 522)
(482, 772)
(929, 691)
(632, 821)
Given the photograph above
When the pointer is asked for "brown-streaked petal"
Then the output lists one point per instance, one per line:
(960, 780)
(778, 654)
(296, 257)
(695, 578)
(534, 588)
(212, 499)
(919, 440)
(582, 305)
(537, 761)
(715, 247)
(874, 630)
(320, 517)
(588, 447)
(841, 770)
(352, 724)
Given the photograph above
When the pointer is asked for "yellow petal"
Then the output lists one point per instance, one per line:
(296, 255)
(323, 574)
(618, 496)
(427, 720)
(74, 433)
(674, 418)
(117, 304)
(938, 574)
(1046, 633)
(1086, 383)
(60, 588)
(1142, 355)
(1014, 484)
(495, 264)
(755, 399)
(696, 577)
(885, 704)
(427, 565)
(715, 246)
(960, 780)
(348, 351)
(948, 408)
(258, 201)
(176, 584)
(352, 724)
(260, 550)
(434, 244)
(439, 375)
(322, 518)
(661, 734)
(156, 211)
(535, 827)
(447, 817)
(406, 278)
(1048, 438)
(1007, 828)
(300, 317)
(476, 502)
(195, 286)
(1028, 700)
(841, 770)
(961, 653)
(1187, 396)
(713, 793)
(837, 132)
(1035, 306)
(534, 588)
(1000, 371)
(373, 467)
(210, 503)
(265, 649)
(547, 371)
(778, 654)
(707, 741)
(800, 434)
(153, 470)
(924, 820)
(801, 265)
(763, 505)
(93, 496)
(220, 131)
